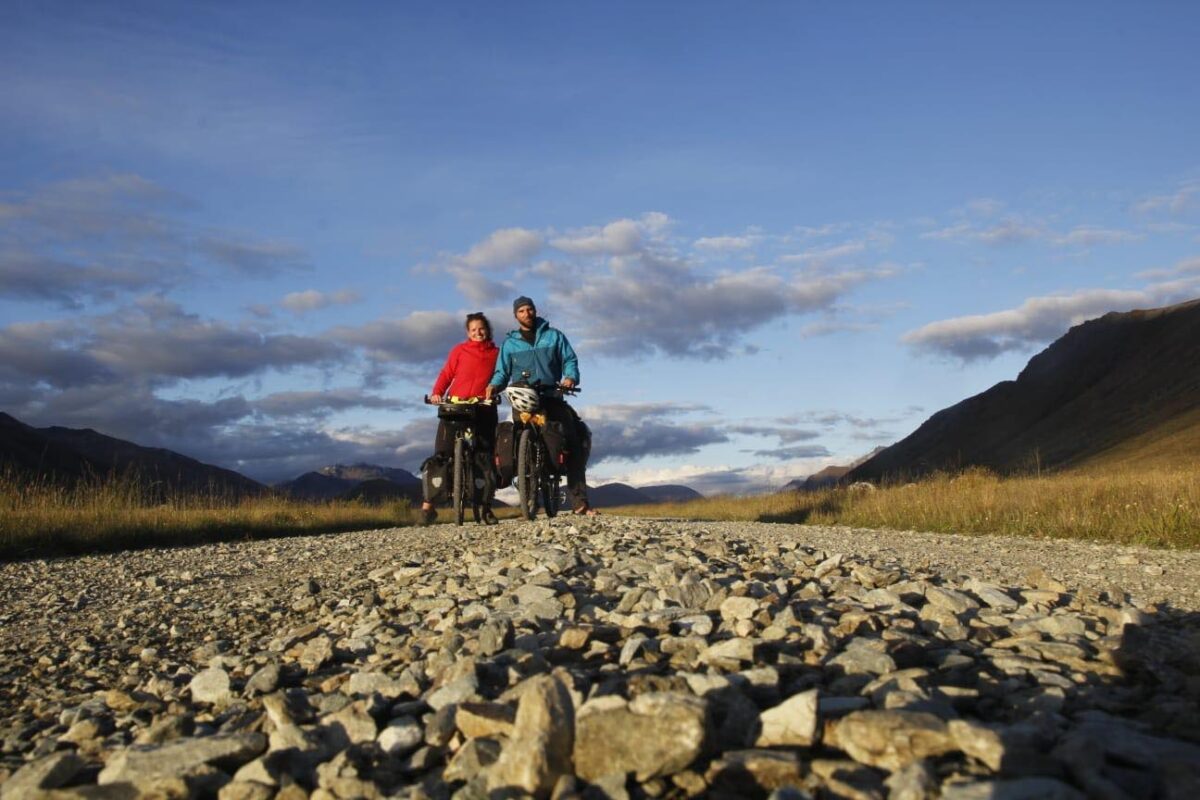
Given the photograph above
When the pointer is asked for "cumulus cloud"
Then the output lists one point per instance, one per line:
(652, 304)
(622, 237)
(632, 431)
(504, 247)
(312, 300)
(1035, 322)
(104, 237)
(153, 338)
(422, 337)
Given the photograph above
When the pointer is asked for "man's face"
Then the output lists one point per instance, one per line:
(525, 316)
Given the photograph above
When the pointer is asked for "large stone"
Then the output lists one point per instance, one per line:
(211, 686)
(49, 772)
(893, 739)
(735, 608)
(543, 737)
(730, 653)
(316, 653)
(485, 719)
(949, 599)
(794, 722)
(364, 683)
(657, 734)
(400, 736)
(138, 765)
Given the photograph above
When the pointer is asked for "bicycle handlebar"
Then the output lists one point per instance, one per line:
(477, 402)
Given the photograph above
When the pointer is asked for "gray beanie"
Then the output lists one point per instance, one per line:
(522, 301)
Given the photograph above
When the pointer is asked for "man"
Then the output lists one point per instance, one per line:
(548, 358)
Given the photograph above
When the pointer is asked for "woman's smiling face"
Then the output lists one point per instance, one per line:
(477, 331)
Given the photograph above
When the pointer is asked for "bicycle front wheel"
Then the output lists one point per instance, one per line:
(526, 477)
(462, 484)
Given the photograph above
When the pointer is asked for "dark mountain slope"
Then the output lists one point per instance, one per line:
(69, 454)
(1104, 383)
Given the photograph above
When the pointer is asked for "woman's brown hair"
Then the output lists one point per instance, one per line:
(479, 315)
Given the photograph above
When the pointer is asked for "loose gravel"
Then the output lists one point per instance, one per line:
(604, 657)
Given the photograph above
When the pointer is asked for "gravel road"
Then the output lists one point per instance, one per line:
(604, 657)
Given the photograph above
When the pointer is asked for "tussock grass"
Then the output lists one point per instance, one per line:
(122, 512)
(1157, 508)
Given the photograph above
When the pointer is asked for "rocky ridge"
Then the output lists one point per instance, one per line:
(603, 658)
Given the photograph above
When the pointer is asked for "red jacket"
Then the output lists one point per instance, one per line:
(468, 369)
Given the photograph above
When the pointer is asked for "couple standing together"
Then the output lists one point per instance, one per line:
(477, 368)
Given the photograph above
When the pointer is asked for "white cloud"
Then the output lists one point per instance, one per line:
(1092, 235)
(1035, 322)
(824, 256)
(312, 300)
(1177, 202)
(622, 237)
(1184, 268)
(1006, 232)
(504, 247)
(726, 244)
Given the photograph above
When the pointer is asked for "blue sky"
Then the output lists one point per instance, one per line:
(778, 235)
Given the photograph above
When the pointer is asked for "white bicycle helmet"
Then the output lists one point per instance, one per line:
(523, 398)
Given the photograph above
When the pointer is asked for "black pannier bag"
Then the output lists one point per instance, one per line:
(554, 435)
(506, 455)
(435, 478)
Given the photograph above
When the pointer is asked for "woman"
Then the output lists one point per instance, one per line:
(465, 375)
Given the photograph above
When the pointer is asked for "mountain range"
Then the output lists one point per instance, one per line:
(622, 494)
(73, 454)
(1122, 389)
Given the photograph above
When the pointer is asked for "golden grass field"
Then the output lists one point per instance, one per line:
(1158, 507)
(114, 513)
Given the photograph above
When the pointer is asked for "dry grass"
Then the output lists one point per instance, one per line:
(40, 518)
(1158, 508)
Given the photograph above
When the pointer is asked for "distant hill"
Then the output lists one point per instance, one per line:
(830, 476)
(1123, 388)
(670, 493)
(71, 454)
(616, 494)
(622, 494)
(330, 482)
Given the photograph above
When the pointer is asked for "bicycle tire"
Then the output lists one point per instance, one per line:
(526, 476)
(548, 481)
(460, 485)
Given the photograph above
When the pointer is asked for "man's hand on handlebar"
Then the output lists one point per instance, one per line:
(488, 392)
(433, 398)
(567, 383)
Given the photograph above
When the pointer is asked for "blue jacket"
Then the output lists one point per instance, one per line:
(550, 359)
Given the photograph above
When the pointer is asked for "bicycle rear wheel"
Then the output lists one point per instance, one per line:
(526, 477)
(462, 485)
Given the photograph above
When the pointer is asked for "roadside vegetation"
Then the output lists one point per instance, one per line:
(1156, 508)
(123, 511)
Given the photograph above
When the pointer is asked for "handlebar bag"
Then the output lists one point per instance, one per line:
(506, 455)
(435, 478)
